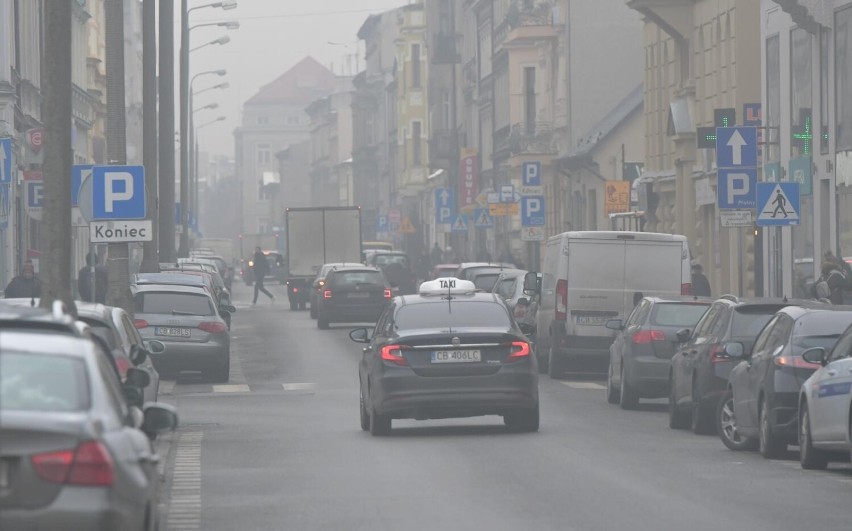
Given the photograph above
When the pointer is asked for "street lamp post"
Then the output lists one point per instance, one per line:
(183, 250)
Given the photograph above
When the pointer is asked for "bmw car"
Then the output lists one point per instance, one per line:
(447, 352)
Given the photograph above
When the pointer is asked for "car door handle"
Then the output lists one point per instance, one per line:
(149, 459)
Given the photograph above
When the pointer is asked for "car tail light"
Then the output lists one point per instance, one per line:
(686, 289)
(213, 327)
(90, 464)
(122, 365)
(295, 290)
(717, 354)
(388, 294)
(520, 350)
(326, 294)
(140, 323)
(392, 353)
(797, 362)
(562, 300)
(643, 337)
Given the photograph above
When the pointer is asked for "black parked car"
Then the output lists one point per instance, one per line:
(353, 295)
(700, 368)
(640, 356)
(762, 399)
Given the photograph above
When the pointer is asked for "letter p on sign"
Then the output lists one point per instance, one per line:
(737, 188)
(118, 192)
(111, 193)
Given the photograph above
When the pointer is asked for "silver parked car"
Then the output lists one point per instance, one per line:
(74, 454)
(187, 320)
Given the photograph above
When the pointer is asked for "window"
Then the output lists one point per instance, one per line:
(263, 120)
(843, 348)
(293, 120)
(464, 315)
(172, 303)
(415, 65)
(681, 315)
(264, 193)
(263, 154)
(36, 382)
(824, 41)
(773, 98)
(843, 77)
(802, 93)
(446, 109)
(416, 140)
(529, 99)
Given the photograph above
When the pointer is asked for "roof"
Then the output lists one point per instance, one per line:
(180, 279)
(632, 103)
(170, 288)
(620, 235)
(302, 84)
(25, 341)
(434, 299)
(345, 269)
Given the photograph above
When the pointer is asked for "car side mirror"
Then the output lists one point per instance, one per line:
(155, 347)
(815, 355)
(683, 335)
(137, 378)
(227, 308)
(159, 418)
(735, 350)
(138, 354)
(360, 335)
(132, 395)
(615, 324)
(531, 284)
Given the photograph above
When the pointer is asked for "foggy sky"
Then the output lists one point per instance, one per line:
(273, 36)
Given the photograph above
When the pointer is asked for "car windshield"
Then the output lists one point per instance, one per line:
(173, 303)
(749, 320)
(679, 315)
(506, 288)
(102, 330)
(388, 259)
(41, 382)
(357, 278)
(486, 281)
(455, 314)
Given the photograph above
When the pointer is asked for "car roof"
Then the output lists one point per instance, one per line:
(798, 311)
(173, 288)
(379, 252)
(178, 279)
(478, 296)
(735, 301)
(24, 341)
(685, 299)
(498, 265)
(355, 268)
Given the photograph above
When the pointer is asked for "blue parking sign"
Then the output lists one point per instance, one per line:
(5, 160)
(79, 172)
(118, 192)
(382, 223)
(532, 211)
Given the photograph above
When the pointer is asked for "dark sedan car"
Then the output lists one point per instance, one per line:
(640, 356)
(319, 283)
(352, 295)
(762, 400)
(397, 268)
(700, 368)
(447, 352)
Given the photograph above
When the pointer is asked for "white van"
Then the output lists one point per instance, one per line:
(591, 277)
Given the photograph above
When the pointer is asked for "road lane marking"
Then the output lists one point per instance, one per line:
(236, 374)
(185, 496)
(584, 385)
(307, 387)
(231, 388)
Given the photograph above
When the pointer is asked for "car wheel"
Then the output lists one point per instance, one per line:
(628, 397)
(612, 395)
(726, 425)
(554, 364)
(770, 445)
(811, 458)
(678, 419)
(365, 417)
(379, 424)
(322, 323)
(523, 420)
(702, 421)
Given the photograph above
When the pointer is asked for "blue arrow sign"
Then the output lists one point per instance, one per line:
(5, 160)
(532, 211)
(445, 205)
(778, 204)
(736, 147)
(737, 189)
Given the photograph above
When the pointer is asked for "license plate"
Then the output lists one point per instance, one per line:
(359, 295)
(4, 475)
(456, 356)
(172, 332)
(591, 320)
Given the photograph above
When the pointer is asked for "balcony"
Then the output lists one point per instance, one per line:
(533, 139)
(529, 23)
(444, 50)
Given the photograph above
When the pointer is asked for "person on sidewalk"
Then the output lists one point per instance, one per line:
(700, 284)
(261, 269)
(93, 290)
(24, 285)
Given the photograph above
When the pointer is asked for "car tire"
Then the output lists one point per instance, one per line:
(678, 419)
(702, 420)
(221, 373)
(365, 416)
(612, 395)
(726, 426)
(810, 458)
(770, 445)
(322, 323)
(379, 424)
(523, 421)
(628, 397)
(554, 364)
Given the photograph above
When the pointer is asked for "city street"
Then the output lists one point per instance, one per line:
(279, 447)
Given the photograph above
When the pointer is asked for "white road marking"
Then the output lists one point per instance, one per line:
(584, 385)
(310, 387)
(185, 499)
(237, 375)
(231, 388)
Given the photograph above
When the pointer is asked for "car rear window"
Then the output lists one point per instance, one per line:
(485, 282)
(465, 314)
(819, 330)
(673, 314)
(38, 382)
(172, 303)
(388, 259)
(102, 330)
(749, 320)
(356, 278)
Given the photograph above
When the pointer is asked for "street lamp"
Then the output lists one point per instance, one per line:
(185, 111)
(195, 200)
(224, 39)
(223, 85)
(208, 106)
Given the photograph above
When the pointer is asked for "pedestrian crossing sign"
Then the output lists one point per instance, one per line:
(483, 219)
(459, 223)
(406, 226)
(778, 204)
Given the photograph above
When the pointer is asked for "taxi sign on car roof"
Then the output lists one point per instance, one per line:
(446, 285)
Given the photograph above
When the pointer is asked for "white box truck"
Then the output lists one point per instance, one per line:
(317, 236)
(590, 277)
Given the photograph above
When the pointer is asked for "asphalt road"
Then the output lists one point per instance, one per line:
(280, 447)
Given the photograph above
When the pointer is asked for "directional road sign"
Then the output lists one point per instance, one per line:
(778, 204)
(482, 219)
(531, 175)
(445, 205)
(737, 189)
(736, 147)
(507, 193)
(5, 160)
(459, 223)
(79, 173)
(532, 211)
(118, 192)
(381, 223)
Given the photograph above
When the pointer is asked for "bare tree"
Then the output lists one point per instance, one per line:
(56, 109)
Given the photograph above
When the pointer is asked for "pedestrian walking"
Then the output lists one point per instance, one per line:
(89, 290)
(424, 265)
(834, 279)
(261, 269)
(780, 204)
(437, 254)
(24, 285)
(700, 284)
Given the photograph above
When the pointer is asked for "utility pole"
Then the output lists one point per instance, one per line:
(185, 202)
(56, 109)
(118, 293)
(166, 229)
(149, 128)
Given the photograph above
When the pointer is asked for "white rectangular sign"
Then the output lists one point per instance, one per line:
(532, 234)
(121, 231)
(532, 190)
(736, 218)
